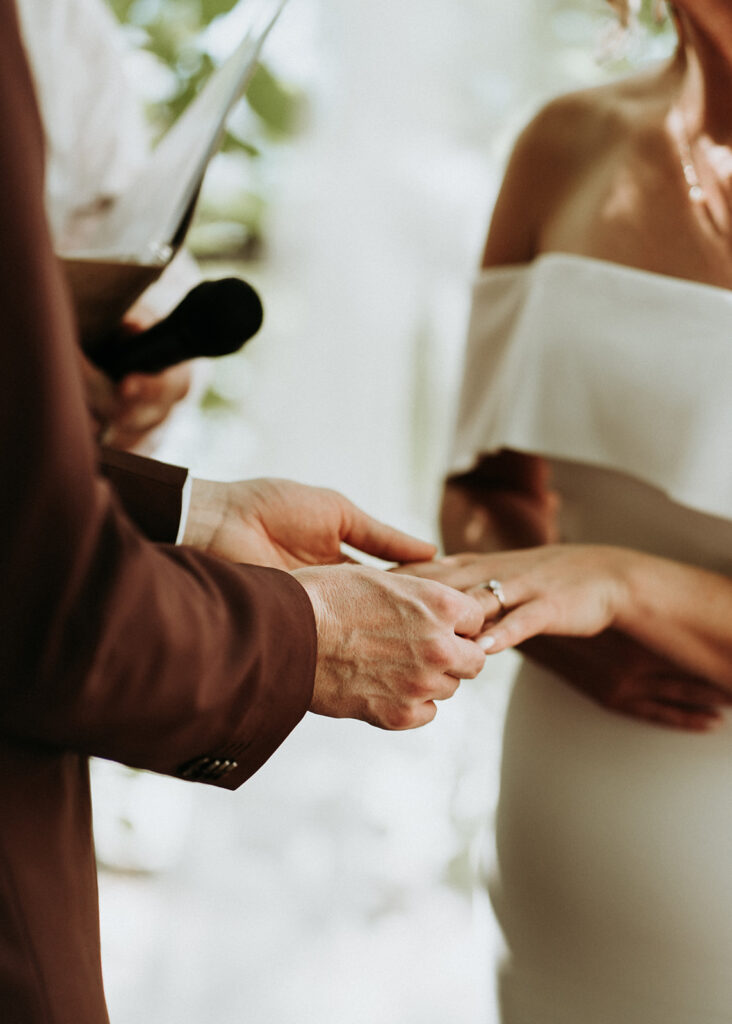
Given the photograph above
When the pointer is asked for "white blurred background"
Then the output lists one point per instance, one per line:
(341, 884)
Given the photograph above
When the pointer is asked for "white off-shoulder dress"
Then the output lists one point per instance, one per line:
(613, 870)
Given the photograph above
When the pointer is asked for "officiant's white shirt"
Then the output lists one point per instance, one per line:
(94, 124)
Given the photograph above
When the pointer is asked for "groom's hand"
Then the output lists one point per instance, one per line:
(288, 525)
(389, 646)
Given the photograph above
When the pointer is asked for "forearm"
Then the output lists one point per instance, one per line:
(504, 503)
(679, 611)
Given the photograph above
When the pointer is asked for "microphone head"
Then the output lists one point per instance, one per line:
(214, 319)
(217, 317)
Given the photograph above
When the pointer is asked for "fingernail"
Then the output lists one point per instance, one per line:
(486, 642)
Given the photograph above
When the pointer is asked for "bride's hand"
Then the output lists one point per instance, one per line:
(622, 675)
(557, 599)
(556, 589)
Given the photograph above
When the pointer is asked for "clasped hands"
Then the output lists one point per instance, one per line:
(390, 644)
(570, 608)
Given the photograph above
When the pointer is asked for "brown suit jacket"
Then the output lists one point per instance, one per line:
(156, 656)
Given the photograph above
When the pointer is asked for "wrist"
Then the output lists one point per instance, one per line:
(206, 512)
(316, 584)
(627, 573)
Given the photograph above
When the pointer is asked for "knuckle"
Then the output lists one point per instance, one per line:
(397, 717)
(437, 652)
(476, 668)
(440, 598)
(416, 687)
(449, 687)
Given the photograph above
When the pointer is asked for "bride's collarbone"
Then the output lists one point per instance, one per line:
(643, 220)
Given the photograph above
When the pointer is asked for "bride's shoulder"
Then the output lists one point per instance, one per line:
(565, 143)
(582, 126)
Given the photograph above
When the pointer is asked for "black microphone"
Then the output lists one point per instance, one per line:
(214, 319)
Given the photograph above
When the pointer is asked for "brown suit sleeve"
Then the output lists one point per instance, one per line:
(109, 645)
(150, 492)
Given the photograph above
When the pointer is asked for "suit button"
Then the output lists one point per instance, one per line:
(207, 769)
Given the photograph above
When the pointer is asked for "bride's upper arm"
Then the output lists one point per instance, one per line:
(548, 158)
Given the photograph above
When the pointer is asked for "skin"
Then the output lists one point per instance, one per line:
(388, 646)
(125, 413)
(388, 649)
(386, 653)
(612, 188)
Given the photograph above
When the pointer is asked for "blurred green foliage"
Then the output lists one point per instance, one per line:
(174, 33)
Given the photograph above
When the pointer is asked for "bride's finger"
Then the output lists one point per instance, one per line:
(517, 625)
(673, 716)
(492, 601)
(690, 692)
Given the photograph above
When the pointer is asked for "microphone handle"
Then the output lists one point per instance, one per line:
(150, 351)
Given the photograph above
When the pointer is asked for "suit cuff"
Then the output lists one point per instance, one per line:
(155, 495)
(185, 505)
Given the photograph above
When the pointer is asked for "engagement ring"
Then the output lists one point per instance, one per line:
(496, 589)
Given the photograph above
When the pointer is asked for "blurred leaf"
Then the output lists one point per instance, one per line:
(164, 40)
(121, 8)
(211, 9)
(277, 105)
(213, 401)
(190, 84)
(220, 239)
(233, 144)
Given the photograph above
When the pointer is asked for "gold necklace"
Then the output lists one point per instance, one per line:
(688, 167)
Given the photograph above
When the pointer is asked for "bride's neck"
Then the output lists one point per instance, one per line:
(702, 69)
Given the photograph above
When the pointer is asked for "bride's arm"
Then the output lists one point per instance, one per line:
(506, 502)
(681, 612)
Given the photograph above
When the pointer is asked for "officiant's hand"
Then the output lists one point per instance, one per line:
(126, 412)
(388, 646)
(288, 525)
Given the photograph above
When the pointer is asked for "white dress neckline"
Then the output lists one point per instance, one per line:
(643, 361)
(609, 266)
